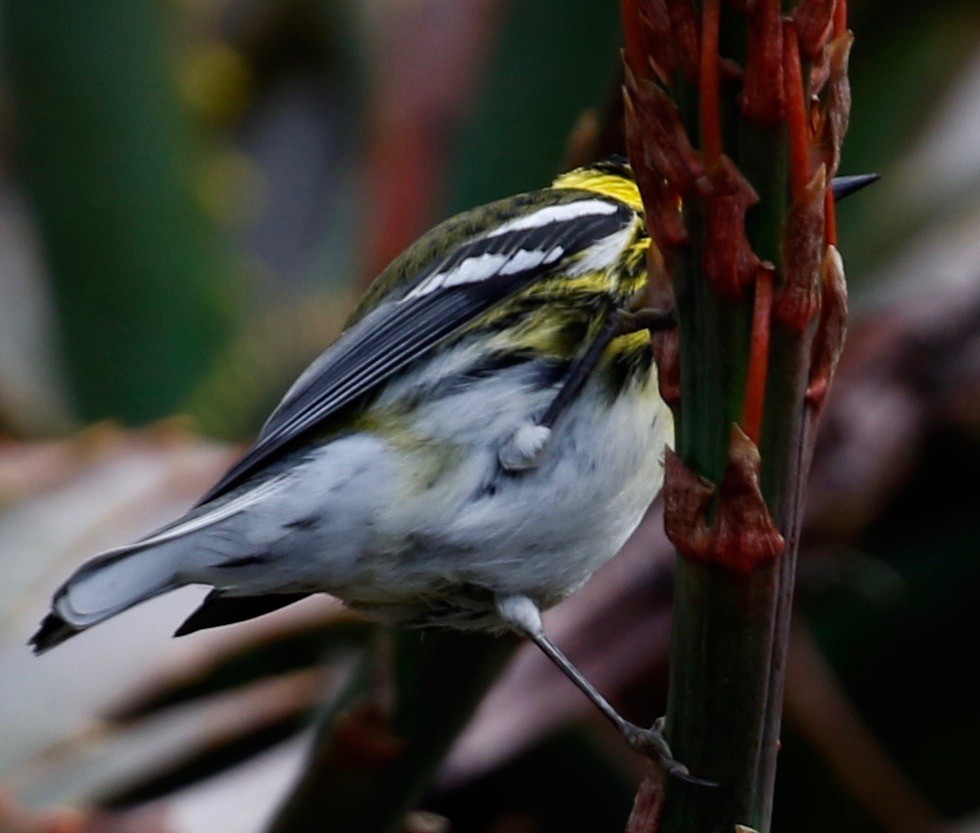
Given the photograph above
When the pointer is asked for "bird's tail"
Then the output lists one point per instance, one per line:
(108, 584)
(121, 578)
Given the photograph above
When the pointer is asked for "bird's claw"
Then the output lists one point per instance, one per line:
(652, 743)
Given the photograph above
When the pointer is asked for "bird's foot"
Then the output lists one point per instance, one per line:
(652, 743)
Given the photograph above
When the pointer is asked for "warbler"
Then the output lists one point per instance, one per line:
(486, 433)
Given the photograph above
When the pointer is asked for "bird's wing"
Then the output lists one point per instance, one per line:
(445, 295)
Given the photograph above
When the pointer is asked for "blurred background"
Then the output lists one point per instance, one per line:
(193, 192)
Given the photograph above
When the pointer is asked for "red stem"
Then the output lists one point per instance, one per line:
(830, 217)
(710, 84)
(634, 43)
(755, 384)
(830, 207)
(840, 18)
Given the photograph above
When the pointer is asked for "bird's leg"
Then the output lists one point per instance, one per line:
(621, 322)
(523, 616)
(523, 448)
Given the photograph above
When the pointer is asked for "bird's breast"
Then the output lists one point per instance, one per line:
(459, 516)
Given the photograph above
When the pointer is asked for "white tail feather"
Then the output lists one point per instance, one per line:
(114, 582)
(120, 578)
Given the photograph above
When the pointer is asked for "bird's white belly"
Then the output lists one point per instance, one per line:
(456, 518)
(424, 518)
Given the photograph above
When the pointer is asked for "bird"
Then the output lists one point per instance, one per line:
(486, 432)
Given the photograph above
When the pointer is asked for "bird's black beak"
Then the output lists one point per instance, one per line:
(844, 186)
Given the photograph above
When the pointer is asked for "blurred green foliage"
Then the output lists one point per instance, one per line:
(553, 61)
(107, 157)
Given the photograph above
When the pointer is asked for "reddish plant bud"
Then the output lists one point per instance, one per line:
(686, 499)
(798, 300)
(761, 100)
(664, 219)
(837, 110)
(660, 40)
(819, 72)
(814, 21)
(728, 261)
(648, 805)
(745, 534)
(660, 204)
(684, 30)
(658, 124)
(833, 327)
(649, 41)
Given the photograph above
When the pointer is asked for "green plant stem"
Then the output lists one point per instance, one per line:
(719, 694)
(437, 679)
(786, 440)
(731, 628)
(717, 697)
